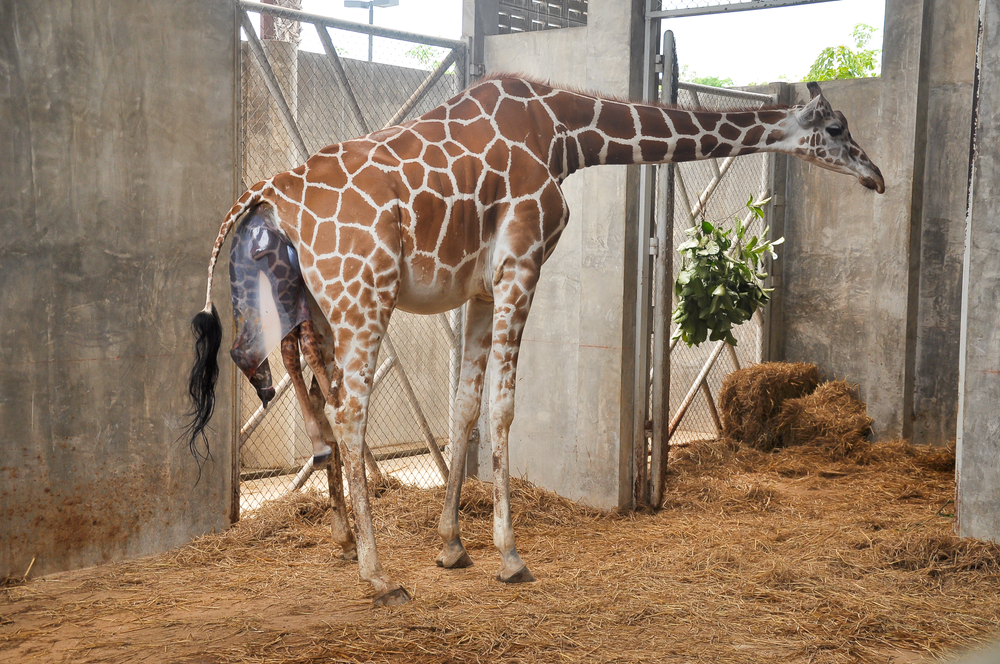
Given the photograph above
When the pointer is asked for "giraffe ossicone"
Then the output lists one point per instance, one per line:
(462, 206)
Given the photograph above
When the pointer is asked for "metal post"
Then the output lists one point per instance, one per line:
(712, 410)
(772, 337)
(371, 21)
(338, 66)
(419, 93)
(640, 447)
(662, 296)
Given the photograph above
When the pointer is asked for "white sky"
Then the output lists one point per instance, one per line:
(751, 46)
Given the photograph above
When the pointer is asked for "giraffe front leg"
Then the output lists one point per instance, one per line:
(478, 326)
(513, 290)
(290, 358)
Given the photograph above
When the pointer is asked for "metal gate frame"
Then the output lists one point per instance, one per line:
(651, 424)
(452, 322)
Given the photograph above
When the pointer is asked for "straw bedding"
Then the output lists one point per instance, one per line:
(831, 417)
(751, 399)
(806, 554)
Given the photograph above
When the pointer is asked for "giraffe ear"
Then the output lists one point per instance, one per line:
(817, 110)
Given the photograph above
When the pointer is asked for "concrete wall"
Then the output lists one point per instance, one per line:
(117, 122)
(978, 449)
(570, 439)
(872, 283)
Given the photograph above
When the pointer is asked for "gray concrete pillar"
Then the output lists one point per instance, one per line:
(887, 383)
(951, 65)
(573, 424)
(978, 443)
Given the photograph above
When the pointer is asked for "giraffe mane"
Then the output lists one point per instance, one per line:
(535, 80)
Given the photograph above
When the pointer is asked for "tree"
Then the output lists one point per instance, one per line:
(429, 57)
(835, 62)
(689, 76)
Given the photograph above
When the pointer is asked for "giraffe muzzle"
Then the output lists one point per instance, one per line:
(873, 181)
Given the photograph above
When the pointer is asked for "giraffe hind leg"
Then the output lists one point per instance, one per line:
(357, 354)
(478, 326)
(312, 402)
(342, 533)
(290, 357)
(318, 349)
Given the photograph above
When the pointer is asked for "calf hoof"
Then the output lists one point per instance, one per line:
(522, 575)
(320, 459)
(350, 555)
(460, 562)
(392, 597)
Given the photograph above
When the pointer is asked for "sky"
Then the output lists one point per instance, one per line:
(749, 47)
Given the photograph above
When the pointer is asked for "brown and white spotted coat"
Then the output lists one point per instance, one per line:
(463, 205)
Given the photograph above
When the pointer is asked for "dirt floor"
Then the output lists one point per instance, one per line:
(789, 556)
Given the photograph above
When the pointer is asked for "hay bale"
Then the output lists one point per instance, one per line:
(831, 418)
(751, 398)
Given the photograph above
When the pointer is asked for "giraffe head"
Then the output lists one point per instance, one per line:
(820, 135)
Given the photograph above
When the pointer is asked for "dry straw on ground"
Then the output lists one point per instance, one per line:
(751, 398)
(799, 555)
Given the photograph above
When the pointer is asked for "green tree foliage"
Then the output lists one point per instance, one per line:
(689, 76)
(836, 62)
(429, 57)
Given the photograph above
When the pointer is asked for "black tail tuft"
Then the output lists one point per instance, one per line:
(207, 330)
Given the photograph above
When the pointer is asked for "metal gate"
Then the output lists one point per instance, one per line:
(680, 383)
(718, 191)
(294, 102)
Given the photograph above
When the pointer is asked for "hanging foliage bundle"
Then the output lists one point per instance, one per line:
(721, 277)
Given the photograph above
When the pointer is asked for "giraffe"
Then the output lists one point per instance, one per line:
(462, 206)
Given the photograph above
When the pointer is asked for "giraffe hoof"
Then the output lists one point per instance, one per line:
(461, 562)
(320, 459)
(392, 597)
(522, 575)
(350, 555)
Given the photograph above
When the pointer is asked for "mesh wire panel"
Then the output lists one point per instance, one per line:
(408, 410)
(745, 177)
(534, 15)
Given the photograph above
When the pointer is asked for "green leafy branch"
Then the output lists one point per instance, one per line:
(720, 282)
(837, 62)
(429, 57)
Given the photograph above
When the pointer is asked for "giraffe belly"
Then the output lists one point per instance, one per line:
(424, 292)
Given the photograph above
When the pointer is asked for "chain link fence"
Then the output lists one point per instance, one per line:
(308, 82)
(716, 190)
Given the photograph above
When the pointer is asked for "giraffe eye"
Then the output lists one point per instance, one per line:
(835, 130)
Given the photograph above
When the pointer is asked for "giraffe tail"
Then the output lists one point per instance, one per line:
(207, 329)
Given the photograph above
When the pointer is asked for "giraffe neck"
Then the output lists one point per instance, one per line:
(592, 131)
